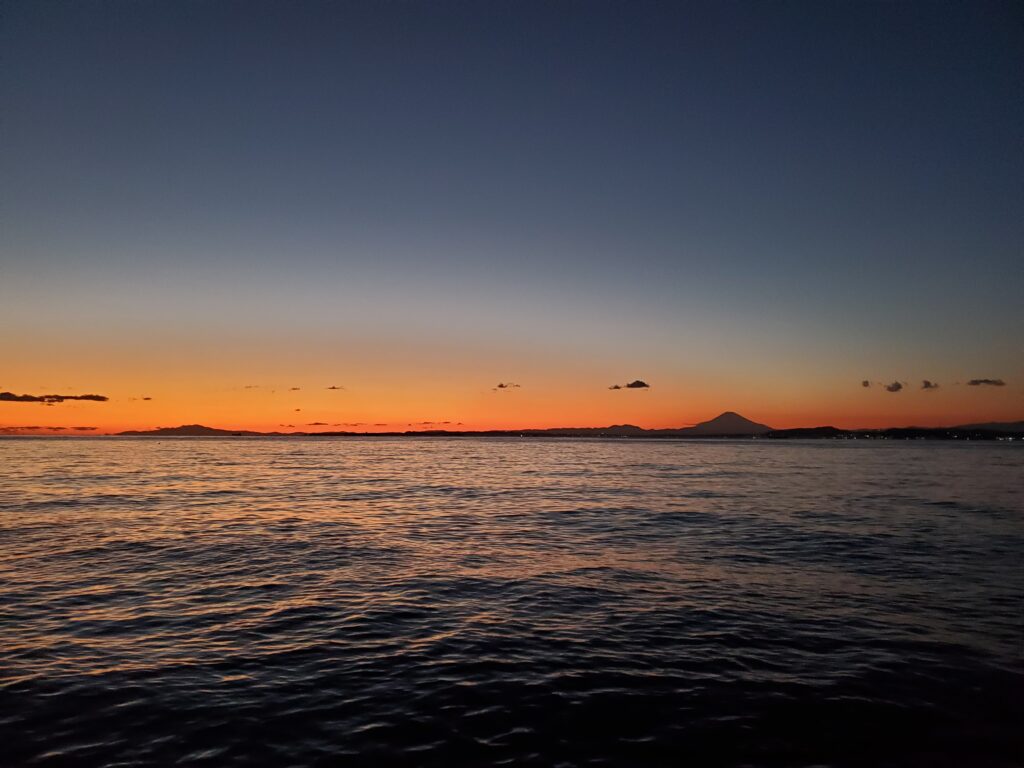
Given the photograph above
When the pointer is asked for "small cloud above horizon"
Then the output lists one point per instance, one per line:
(926, 384)
(506, 385)
(635, 384)
(865, 383)
(896, 386)
(295, 389)
(986, 383)
(334, 386)
(318, 424)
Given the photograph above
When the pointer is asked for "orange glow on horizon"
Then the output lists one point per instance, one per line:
(305, 409)
(262, 384)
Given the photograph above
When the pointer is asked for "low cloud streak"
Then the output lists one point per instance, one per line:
(10, 397)
(35, 428)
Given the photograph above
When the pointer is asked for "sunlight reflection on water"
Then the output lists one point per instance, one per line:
(442, 601)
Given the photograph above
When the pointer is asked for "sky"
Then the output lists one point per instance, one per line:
(213, 212)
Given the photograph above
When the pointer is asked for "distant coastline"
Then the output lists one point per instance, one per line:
(727, 425)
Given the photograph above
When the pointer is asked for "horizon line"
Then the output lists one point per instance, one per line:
(620, 430)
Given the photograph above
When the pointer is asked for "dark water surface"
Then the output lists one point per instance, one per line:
(510, 602)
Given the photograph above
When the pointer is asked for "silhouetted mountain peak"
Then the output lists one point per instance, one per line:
(728, 423)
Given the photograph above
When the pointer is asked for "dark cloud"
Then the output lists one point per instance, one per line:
(297, 410)
(17, 430)
(318, 424)
(251, 386)
(147, 398)
(896, 386)
(925, 384)
(635, 384)
(381, 424)
(10, 397)
(973, 383)
(865, 383)
(506, 385)
(335, 387)
(294, 389)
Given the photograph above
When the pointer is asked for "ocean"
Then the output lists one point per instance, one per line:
(458, 601)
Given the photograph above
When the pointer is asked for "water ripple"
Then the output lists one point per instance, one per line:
(510, 602)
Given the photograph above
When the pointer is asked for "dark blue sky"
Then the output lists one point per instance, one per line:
(786, 180)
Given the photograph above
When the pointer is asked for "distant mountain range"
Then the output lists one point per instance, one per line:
(997, 426)
(728, 424)
(196, 430)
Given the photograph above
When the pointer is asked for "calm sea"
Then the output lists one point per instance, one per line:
(510, 602)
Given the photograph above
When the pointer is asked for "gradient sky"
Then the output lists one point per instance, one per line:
(751, 206)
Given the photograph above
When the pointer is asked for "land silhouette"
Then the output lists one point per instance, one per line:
(725, 425)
